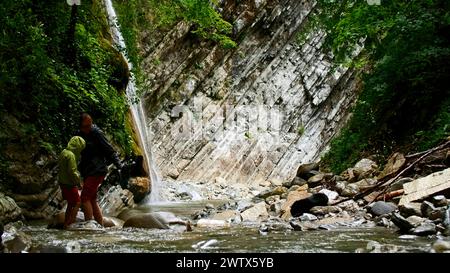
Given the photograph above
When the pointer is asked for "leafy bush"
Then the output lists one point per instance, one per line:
(404, 104)
(43, 89)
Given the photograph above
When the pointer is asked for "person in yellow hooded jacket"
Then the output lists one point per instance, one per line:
(69, 177)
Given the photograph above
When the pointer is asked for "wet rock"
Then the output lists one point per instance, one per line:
(140, 187)
(307, 217)
(228, 216)
(332, 195)
(403, 224)
(381, 208)
(112, 222)
(48, 249)
(303, 226)
(16, 241)
(145, 220)
(439, 201)
(427, 208)
(394, 164)
(425, 229)
(256, 213)
(304, 171)
(276, 191)
(9, 210)
(441, 246)
(211, 223)
(410, 209)
(350, 190)
(305, 205)
(115, 201)
(324, 210)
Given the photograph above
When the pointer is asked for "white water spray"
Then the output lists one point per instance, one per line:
(137, 110)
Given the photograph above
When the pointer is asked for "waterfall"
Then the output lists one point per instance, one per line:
(137, 110)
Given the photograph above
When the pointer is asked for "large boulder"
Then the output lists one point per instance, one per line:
(145, 220)
(256, 213)
(9, 210)
(140, 187)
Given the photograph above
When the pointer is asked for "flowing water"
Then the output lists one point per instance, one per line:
(237, 238)
(136, 106)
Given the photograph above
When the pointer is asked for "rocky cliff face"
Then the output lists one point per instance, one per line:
(251, 114)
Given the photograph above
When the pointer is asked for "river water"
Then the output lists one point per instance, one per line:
(237, 238)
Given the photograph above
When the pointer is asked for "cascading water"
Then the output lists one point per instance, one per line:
(137, 110)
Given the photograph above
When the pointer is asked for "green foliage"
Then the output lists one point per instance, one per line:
(404, 104)
(301, 130)
(46, 92)
(208, 23)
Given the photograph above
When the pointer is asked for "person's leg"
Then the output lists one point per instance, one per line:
(71, 214)
(85, 199)
(89, 199)
(98, 216)
(73, 205)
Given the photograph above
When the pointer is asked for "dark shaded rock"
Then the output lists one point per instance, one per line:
(298, 181)
(381, 208)
(427, 208)
(425, 229)
(403, 224)
(304, 171)
(305, 205)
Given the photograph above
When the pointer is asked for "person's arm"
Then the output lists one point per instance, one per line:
(74, 175)
(107, 148)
